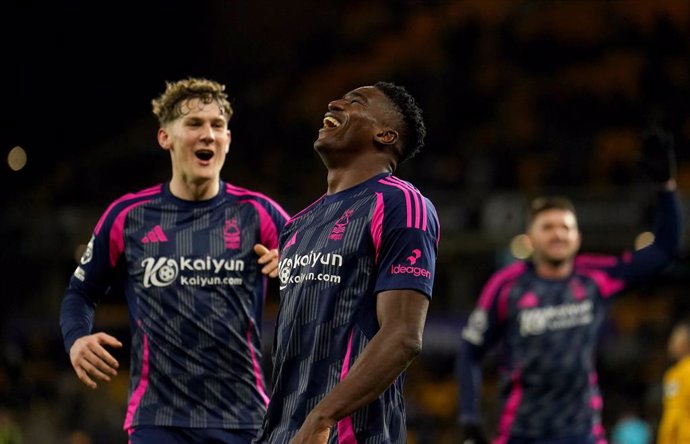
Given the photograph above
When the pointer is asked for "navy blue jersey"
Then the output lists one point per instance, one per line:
(195, 295)
(336, 255)
(548, 331)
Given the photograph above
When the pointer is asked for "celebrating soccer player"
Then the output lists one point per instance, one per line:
(185, 253)
(546, 312)
(356, 275)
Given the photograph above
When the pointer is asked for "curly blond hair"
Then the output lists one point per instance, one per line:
(169, 105)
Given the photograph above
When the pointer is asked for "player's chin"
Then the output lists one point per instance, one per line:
(559, 257)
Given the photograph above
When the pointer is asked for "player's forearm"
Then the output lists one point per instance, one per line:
(388, 354)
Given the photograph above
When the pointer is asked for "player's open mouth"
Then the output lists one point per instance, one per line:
(204, 154)
(330, 122)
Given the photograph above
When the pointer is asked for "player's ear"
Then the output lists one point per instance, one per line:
(386, 136)
(227, 147)
(164, 139)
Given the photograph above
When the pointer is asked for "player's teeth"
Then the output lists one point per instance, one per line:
(330, 122)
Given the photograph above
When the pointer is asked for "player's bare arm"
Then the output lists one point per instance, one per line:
(401, 315)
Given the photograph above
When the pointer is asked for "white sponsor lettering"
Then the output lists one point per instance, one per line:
(536, 321)
(309, 260)
(80, 274)
(163, 271)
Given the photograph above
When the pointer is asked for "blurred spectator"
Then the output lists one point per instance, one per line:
(675, 421)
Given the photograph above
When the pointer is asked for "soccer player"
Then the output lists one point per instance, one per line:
(675, 420)
(547, 312)
(356, 275)
(185, 253)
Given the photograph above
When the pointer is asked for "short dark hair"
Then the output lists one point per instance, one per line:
(545, 203)
(413, 132)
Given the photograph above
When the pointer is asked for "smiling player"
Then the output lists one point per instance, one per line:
(546, 314)
(356, 277)
(185, 253)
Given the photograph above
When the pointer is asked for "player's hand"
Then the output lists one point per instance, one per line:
(472, 433)
(91, 360)
(267, 258)
(658, 159)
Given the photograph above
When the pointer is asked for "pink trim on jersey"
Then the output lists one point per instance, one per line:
(503, 302)
(488, 294)
(291, 242)
(595, 260)
(377, 225)
(422, 202)
(258, 376)
(139, 392)
(596, 402)
(298, 215)
(269, 231)
(147, 192)
(608, 286)
(117, 232)
(510, 410)
(346, 432)
(408, 204)
(238, 191)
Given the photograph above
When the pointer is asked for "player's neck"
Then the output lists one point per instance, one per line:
(340, 179)
(552, 270)
(187, 190)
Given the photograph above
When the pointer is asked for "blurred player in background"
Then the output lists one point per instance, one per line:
(546, 314)
(356, 276)
(185, 253)
(674, 427)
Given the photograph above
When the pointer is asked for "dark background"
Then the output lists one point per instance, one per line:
(521, 98)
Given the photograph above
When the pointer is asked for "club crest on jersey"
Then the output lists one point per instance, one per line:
(231, 233)
(338, 230)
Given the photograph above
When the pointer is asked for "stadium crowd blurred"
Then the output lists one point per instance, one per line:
(520, 97)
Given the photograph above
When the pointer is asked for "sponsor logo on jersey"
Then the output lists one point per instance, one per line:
(154, 236)
(411, 268)
(305, 262)
(536, 321)
(163, 271)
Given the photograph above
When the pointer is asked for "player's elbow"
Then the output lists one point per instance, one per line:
(411, 346)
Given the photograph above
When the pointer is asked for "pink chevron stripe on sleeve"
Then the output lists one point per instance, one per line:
(268, 230)
(501, 277)
(147, 192)
(117, 233)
